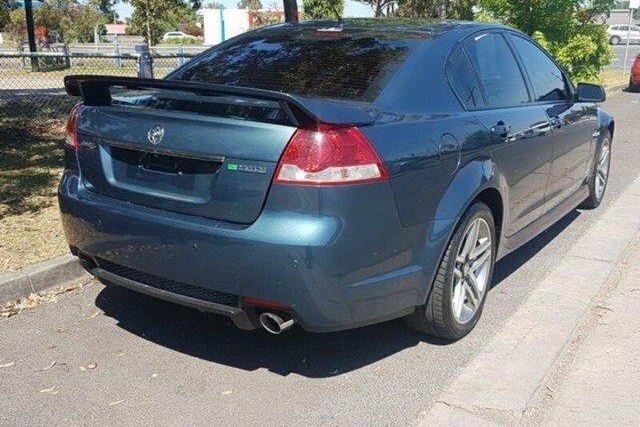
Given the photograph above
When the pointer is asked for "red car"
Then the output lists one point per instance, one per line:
(634, 80)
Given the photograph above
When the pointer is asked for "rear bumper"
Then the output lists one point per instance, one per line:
(352, 267)
(239, 316)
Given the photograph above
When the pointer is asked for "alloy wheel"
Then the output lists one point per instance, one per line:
(472, 270)
(602, 169)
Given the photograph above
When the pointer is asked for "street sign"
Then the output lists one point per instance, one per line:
(634, 4)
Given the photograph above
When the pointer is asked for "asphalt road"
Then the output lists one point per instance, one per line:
(160, 364)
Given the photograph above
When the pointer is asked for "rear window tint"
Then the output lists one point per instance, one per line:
(348, 64)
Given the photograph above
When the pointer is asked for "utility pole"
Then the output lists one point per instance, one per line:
(633, 5)
(290, 10)
(31, 33)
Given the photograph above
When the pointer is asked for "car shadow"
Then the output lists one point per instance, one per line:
(216, 339)
(509, 264)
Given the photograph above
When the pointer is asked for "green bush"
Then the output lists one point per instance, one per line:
(566, 28)
(584, 55)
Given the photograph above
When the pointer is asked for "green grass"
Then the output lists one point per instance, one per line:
(31, 162)
(611, 77)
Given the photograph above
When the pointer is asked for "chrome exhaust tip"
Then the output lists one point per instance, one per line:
(274, 323)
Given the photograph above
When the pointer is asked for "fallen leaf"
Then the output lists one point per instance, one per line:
(92, 365)
(47, 368)
(6, 365)
(97, 313)
(53, 390)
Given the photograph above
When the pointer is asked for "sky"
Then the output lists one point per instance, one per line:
(351, 9)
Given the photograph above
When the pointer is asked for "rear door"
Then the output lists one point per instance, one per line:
(519, 130)
(572, 123)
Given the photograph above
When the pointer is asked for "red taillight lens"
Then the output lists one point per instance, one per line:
(330, 155)
(71, 138)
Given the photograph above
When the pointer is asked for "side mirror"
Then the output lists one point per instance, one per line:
(588, 92)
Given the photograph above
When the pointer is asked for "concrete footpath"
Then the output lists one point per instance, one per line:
(598, 382)
(513, 381)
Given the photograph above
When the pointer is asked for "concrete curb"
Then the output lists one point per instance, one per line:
(54, 272)
(498, 385)
(615, 89)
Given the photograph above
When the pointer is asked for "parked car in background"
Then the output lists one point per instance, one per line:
(319, 173)
(173, 35)
(619, 33)
(634, 79)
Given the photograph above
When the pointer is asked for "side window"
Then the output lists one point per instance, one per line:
(497, 69)
(464, 82)
(546, 78)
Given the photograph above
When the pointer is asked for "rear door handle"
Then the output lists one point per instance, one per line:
(501, 129)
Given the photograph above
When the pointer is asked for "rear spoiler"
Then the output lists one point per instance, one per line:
(95, 91)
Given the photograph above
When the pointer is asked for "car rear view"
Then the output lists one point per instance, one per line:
(244, 184)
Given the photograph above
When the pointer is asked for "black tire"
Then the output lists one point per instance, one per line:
(594, 199)
(615, 40)
(632, 87)
(436, 316)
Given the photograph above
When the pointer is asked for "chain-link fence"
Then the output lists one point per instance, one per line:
(31, 84)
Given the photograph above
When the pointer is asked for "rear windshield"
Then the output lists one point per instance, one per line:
(347, 64)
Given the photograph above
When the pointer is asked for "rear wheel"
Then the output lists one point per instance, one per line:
(463, 278)
(599, 176)
(615, 40)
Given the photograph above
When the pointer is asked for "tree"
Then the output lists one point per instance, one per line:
(78, 23)
(72, 21)
(213, 5)
(4, 15)
(380, 7)
(250, 4)
(566, 28)
(153, 18)
(323, 9)
(449, 9)
(106, 8)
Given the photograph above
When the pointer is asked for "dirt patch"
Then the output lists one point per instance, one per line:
(31, 162)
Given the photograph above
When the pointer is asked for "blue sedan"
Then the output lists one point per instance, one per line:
(331, 174)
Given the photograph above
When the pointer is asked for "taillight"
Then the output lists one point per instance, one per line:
(71, 137)
(331, 155)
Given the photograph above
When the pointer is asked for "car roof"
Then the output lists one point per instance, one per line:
(428, 27)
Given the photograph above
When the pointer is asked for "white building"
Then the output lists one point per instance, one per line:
(222, 24)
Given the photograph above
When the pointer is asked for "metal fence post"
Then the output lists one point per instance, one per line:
(145, 62)
(117, 61)
(67, 56)
(180, 56)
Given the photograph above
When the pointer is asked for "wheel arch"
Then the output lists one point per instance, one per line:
(478, 180)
